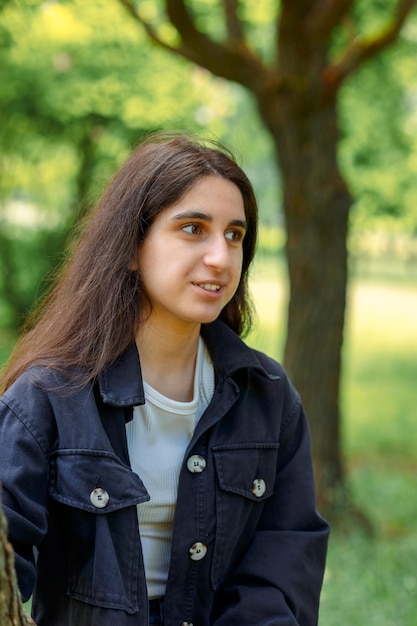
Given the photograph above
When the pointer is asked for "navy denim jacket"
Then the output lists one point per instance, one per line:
(248, 545)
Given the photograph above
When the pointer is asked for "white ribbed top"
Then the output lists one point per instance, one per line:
(157, 439)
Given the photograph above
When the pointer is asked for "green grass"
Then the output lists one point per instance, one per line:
(373, 581)
(368, 581)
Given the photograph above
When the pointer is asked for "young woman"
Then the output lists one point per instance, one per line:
(155, 469)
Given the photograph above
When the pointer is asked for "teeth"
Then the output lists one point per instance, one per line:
(209, 286)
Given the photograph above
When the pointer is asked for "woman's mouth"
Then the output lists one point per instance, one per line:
(209, 286)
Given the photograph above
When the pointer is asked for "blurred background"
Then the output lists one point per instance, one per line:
(82, 82)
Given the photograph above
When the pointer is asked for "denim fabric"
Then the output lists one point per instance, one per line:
(248, 545)
(156, 612)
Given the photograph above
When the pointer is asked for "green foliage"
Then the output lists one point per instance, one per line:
(377, 154)
(372, 15)
(379, 123)
(79, 85)
(80, 71)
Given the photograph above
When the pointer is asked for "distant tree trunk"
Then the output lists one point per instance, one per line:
(11, 609)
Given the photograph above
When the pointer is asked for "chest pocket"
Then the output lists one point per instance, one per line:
(95, 513)
(245, 480)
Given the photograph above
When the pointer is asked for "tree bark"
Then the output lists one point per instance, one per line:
(316, 204)
(11, 609)
(301, 114)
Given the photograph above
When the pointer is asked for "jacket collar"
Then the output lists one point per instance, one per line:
(227, 350)
(121, 383)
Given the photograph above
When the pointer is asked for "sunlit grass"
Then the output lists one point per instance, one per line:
(380, 391)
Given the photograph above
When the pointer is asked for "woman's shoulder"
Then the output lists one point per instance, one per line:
(269, 364)
(27, 408)
(230, 351)
(274, 370)
(33, 389)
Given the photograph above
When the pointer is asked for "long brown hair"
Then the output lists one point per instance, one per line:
(90, 316)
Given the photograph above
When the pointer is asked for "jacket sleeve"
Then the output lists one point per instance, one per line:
(23, 474)
(278, 580)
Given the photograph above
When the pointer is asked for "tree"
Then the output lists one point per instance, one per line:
(314, 46)
(11, 610)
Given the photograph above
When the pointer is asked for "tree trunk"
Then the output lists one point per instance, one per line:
(11, 610)
(302, 119)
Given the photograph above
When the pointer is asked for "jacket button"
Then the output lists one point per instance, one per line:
(196, 464)
(99, 498)
(197, 551)
(187, 624)
(258, 487)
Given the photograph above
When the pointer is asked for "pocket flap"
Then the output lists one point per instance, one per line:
(95, 481)
(248, 470)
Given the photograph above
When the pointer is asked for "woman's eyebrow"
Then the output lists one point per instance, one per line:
(206, 217)
(239, 223)
(193, 215)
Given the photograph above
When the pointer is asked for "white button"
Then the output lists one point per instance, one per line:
(196, 464)
(99, 498)
(187, 624)
(198, 551)
(258, 487)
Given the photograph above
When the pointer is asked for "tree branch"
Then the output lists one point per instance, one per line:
(362, 49)
(196, 45)
(232, 60)
(149, 29)
(180, 49)
(327, 16)
(233, 23)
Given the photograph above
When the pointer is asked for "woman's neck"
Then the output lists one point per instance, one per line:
(168, 358)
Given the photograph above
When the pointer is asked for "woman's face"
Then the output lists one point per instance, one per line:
(191, 258)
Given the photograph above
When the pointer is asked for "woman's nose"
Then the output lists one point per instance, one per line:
(217, 254)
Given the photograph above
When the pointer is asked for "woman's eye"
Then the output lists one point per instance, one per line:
(234, 235)
(192, 229)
